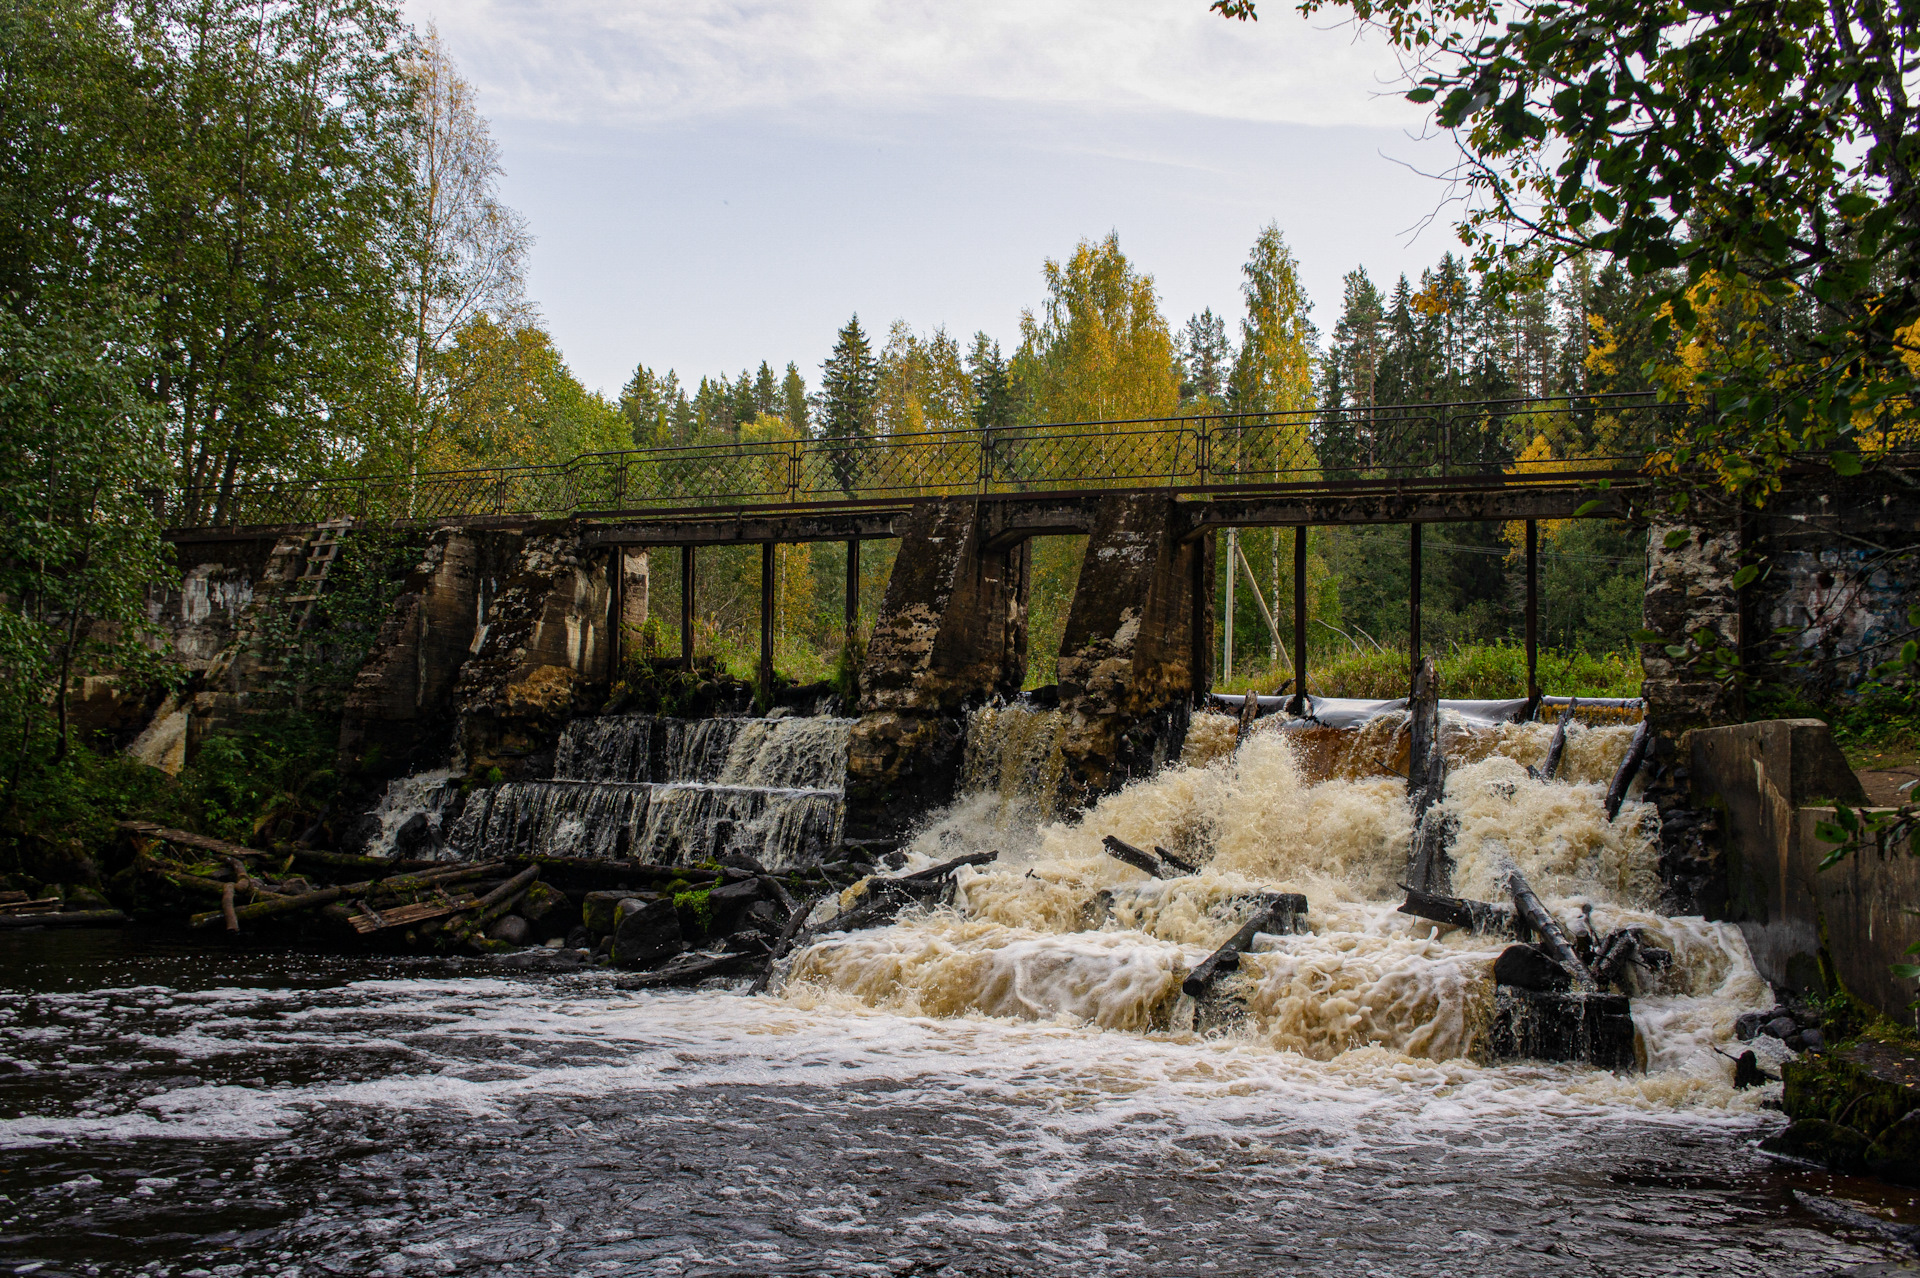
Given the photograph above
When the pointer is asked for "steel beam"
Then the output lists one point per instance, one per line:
(686, 608)
(742, 530)
(769, 560)
(1533, 616)
(1299, 704)
(1423, 507)
(1413, 600)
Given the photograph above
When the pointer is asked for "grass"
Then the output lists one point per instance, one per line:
(1467, 672)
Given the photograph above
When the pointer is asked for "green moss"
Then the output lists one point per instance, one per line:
(697, 903)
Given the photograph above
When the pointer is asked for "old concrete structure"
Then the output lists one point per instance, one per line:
(1135, 648)
(952, 632)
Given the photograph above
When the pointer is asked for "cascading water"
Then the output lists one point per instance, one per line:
(1058, 930)
(673, 791)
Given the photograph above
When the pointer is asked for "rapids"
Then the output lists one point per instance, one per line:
(1009, 1084)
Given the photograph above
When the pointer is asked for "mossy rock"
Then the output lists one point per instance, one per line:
(1824, 1144)
(1895, 1152)
(551, 911)
(600, 911)
(1869, 1086)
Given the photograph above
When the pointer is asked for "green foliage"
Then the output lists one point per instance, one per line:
(697, 903)
(1468, 672)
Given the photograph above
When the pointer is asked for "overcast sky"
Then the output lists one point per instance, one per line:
(715, 183)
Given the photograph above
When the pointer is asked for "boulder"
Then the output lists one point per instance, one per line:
(1781, 1027)
(512, 929)
(1823, 1144)
(1895, 1152)
(551, 911)
(645, 933)
(415, 837)
(1528, 968)
(1548, 1026)
(600, 911)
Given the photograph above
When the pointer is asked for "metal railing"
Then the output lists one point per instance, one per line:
(1517, 441)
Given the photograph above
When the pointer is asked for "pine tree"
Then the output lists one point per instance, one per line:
(1205, 357)
(765, 391)
(793, 399)
(848, 382)
(994, 401)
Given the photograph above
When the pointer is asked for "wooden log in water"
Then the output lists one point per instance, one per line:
(1541, 920)
(947, 867)
(1224, 959)
(1482, 917)
(690, 971)
(1430, 863)
(1179, 863)
(1629, 768)
(1120, 850)
(226, 907)
(70, 918)
(1558, 745)
(281, 905)
(795, 922)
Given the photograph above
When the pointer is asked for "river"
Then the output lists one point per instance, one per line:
(1010, 1085)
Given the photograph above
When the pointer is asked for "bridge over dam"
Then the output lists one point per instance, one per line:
(533, 581)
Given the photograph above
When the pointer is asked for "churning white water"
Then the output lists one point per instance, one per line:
(1060, 932)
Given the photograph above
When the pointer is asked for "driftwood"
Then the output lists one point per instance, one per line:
(1629, 768)
(327, 896)
(1145, 861)
(1249, 711)
(187, 839)
(226, 907)
(374, 920)
(945, 867)
(1482, 917)
(1552, 938)
(496, 903)
(1227, 957)
(795, 921)
(1429, 863)
(42, 905)
(1620, 949)
(1179, 863)
(1558, 745)
(71, 918)
(688, 971)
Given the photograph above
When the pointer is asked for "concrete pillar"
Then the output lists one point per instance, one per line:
(950, 633)
(629, 580)
(1689, 589)
(1127, 667)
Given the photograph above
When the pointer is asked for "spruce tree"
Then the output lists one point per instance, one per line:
(849, 385)
(766, 393)
(793, 399)
(993, 394)
(1205, 357)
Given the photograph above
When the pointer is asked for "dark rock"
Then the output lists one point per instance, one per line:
(81, 897)
(1747, 1027)
(734, 896)
(1747, 1072)
(543, 960)
(600, 911)
(1781, 1027)
(549, 909)
(512, 929)
(647, 932)
(1895, 1152)
(742, 861)
(763, 914)
(1528, 968)
(1823, 1144)
(751, 941)
(579, 939)
(1813, 1039)
(415, 836)
(1796, 1041)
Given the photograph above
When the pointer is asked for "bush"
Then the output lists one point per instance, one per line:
(1468, 672)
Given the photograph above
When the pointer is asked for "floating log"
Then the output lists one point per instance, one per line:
(43, 905)
(372, 920)
(226, 907)
(1179, 863)
(71, 918)
(1121, 850)
(1249, 711)
(1227, 957)
(689, 971)
(1552, 938)
(946, 867)
(1482, 917)
(1629, 768)
(281, 905)
(1558, 745)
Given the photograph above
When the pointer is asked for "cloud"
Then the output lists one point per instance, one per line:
(638, 63)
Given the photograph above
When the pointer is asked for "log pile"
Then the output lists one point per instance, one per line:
(678, 924)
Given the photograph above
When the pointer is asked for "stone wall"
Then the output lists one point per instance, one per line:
(1128, 655)
(951, 633)
(1770, 784)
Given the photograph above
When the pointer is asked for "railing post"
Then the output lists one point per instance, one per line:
(986, 461)
(1533, 617)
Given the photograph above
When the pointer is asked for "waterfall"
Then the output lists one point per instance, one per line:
(673, 792)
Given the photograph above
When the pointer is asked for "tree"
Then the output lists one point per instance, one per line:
(462, 251)
(1273, 373)
(1766, 154)
(1099, 350)
(848, 383)
(511, 400)
(82, 464)
(995, 400)
(273, 179)
(793, 400)
(1206, 357)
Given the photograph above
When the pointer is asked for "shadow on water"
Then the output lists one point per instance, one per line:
(168, 1110)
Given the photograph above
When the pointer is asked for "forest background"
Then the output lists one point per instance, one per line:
(249, 240)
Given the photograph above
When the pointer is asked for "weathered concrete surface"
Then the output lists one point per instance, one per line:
(951, 633)
(631, 601)
(1808, 928)
(1127, 676)
(543, 656)
(399, 714)
(1689, 590)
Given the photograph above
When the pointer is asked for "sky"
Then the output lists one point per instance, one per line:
(712, 183)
